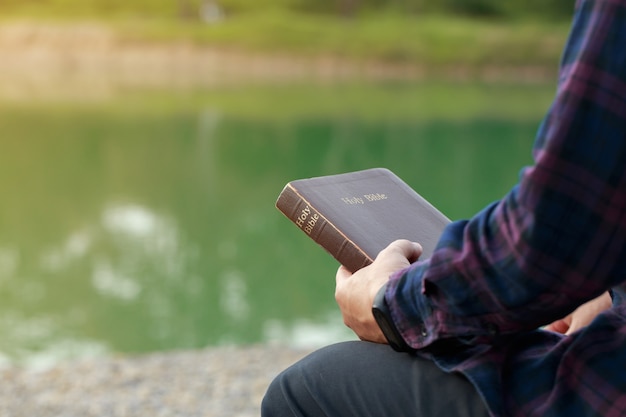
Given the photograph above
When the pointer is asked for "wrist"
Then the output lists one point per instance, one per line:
(382, 315)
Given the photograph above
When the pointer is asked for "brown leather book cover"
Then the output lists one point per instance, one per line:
(357, 214)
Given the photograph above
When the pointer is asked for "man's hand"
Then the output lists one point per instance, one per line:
(582, 316)
(355, 292)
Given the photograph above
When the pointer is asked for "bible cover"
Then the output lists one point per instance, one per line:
(357, 214)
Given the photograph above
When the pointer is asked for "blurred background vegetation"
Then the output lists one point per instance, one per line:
(436, 32)
(144, 143)
(346, 8)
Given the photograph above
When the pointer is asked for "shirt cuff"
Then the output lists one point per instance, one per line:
(410, 310)
(420, 319)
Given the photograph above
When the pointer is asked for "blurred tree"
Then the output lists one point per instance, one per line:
(535, 8)
(186, 9)
(474, 7)
(349, 7)
(346, 8)
(541, 8)
(551, 8)
(190, 9)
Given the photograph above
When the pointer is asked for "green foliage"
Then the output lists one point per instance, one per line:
(433, 41)
(247, 6)
(414, 32)
(346, 8)
(496, 8)
(93, 8)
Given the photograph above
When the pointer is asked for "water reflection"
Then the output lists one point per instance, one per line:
(305, 333)
(233, 296)
(39, 342)
(75, 247)
(156, 230)
(113, 283)
(9, 260)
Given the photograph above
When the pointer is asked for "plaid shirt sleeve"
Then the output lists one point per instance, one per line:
(555, 241)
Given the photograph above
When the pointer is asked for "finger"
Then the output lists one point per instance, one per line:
(343, 273)
(409, 250)
(560, 326)
(557, 327)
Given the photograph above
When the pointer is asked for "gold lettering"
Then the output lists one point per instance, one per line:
(375, 197)
(303, 216)
(352, 200)
(311, 223)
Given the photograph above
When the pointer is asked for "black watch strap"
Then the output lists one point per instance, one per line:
(381, 312)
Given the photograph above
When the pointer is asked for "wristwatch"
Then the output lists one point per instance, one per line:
(381, 312)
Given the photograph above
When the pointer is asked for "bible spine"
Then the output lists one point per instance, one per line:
(324, 233)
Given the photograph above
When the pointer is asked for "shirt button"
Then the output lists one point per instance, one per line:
(423, 331)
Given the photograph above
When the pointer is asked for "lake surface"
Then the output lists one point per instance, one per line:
(146, 222)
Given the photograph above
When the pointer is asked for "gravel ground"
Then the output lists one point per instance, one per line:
(220, 382)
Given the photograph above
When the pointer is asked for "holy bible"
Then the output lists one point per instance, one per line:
(355, 215)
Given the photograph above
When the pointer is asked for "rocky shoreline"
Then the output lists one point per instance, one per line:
(217, 382)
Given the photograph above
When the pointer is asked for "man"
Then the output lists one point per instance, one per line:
(471, 318)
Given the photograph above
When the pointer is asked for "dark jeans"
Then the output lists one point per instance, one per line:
(366, 379)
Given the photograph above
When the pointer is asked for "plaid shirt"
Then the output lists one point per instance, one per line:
(555, 241)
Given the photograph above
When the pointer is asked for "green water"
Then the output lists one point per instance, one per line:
(147, 223)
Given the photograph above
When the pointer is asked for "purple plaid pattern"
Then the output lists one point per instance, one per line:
(557, 240)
